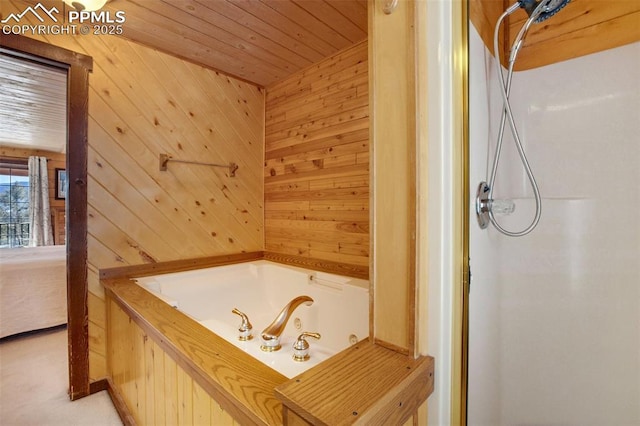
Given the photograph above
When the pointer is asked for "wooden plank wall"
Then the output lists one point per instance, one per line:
(316, 169)
(581, 28)
(143, 103)
(57, 160)
(156, 390)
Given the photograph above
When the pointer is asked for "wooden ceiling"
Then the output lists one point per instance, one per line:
(260, 41)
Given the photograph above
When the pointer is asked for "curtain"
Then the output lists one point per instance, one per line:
(40, 233)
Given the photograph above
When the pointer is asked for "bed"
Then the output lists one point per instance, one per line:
(33, 288)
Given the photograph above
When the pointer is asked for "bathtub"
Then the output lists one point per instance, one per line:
(260, 289)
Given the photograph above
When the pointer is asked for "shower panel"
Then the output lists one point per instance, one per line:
(554, 316)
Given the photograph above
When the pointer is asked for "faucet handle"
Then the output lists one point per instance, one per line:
(301, 346)
(244, 330)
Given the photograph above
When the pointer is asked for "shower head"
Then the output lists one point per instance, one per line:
(550, 8)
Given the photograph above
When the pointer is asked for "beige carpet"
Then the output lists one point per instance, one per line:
(34, 384)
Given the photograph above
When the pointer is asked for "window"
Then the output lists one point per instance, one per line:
(14, 203)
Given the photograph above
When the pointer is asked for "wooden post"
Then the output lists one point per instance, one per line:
(393, 175)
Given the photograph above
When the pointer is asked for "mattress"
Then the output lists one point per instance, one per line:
(33, 288)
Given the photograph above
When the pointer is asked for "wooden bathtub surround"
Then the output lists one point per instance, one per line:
(346, 269)
(163, 365)
(142, 330)
(337, 268)
(365, 384)
(178, 265)
(582, 27)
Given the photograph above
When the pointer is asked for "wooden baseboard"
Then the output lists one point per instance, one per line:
(116, 398)
(98, 386)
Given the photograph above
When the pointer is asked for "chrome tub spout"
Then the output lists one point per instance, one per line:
(271, 334)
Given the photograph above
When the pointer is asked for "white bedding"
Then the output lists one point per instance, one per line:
(33, 288)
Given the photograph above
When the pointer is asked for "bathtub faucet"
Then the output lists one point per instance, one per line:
(271, 334)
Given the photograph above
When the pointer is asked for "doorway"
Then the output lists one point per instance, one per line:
(78, 67)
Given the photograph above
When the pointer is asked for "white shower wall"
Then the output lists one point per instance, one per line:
(555, 315)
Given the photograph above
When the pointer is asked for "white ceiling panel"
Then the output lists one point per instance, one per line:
(33, 105)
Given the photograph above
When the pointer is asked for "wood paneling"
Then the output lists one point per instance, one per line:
(59, 223)
(142, 103)
(172, 370)
(258, 41)
(393, 135)
(56, 161)
(316, 168)
(97, 335)
(581, 28)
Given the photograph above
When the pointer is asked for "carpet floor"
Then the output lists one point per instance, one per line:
(34, 381)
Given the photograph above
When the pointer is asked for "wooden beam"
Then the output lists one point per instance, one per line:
(393, 175)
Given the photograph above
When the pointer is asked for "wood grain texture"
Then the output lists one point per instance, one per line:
(316, 163)
(582, 27)
(258, 41)
(367, 384)
(484, 14)
(118, 402)
(338, 268)
(261, 42)
(76, 230)
(290, 418)
(142, 103)
(178, 265)
(151, 345)
(393, 135)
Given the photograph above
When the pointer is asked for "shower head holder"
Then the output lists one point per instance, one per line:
(551, 7)
(483, 205)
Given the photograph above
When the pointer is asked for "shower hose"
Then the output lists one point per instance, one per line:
(507, 116)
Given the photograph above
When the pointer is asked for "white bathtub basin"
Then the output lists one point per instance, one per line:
(260, 289)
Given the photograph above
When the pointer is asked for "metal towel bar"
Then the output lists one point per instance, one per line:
(165, 158)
